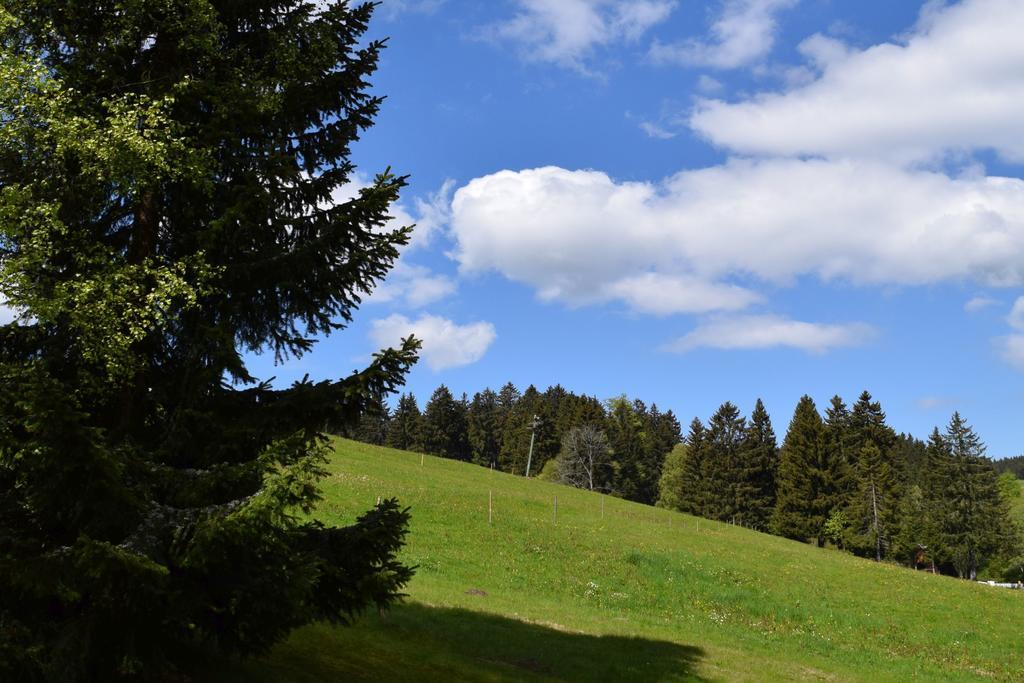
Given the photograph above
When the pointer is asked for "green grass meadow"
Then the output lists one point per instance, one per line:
(615, 591)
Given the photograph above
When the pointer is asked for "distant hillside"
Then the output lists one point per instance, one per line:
(605, 589)
(1014, 465)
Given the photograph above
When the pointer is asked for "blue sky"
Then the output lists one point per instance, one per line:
(693, 202)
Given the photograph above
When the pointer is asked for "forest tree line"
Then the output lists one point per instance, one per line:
(845, 479)
(494, 429)
(848, 480)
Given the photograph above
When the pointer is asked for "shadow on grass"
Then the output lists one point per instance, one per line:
(416, 643)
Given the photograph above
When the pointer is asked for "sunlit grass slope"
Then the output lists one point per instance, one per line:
(635, 593)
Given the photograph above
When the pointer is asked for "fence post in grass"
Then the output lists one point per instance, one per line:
(421, 460)
(556, 509)
(602, 507)
(490, 507)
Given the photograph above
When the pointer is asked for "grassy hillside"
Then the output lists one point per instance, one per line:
(618, 591)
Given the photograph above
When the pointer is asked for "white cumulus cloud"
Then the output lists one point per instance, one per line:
(955, 83)
(446, 344)
(667, 294)
(412, 285)
(743, 32)
(769, 331)
(566, 32)
(581, 237)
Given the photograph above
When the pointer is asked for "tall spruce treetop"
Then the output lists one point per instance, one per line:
(975, 523)
(758, 468)
(169, 174)
(484, 428)
(839, 456)
(802, 506)
(962, 440)
(867, 423)
(405, 431)
(722, 444)
(692, 496)
(445, 430)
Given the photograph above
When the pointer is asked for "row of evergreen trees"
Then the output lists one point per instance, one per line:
(845, 479)
(1014, 466)
(494, 429)
(850, 480)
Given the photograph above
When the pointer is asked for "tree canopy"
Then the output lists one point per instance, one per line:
(174, 195)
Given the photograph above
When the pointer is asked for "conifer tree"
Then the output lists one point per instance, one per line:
(838, 456)
(373, 424)
(867, 425)
(508, 396)
(936, 503)
(445, 433)
(483, 420)
(758, 468)
(976, 523)
(516, 434)
(625, 425)
(874, 507)
(801, 508)
(693, 488)
(558, 402)
(661, 433)
(887, 478)
(911, 456)
(722, 445)
(508, 399)
(168, 172)
(406, 427)
(910, 544)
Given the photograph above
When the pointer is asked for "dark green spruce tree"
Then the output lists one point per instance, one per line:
(838, 457)
(976, 524)
(936, 490)
(692, 496)
(405, 431)
(723, 443)
(517, 430)
(625, 429)
(874, 507)
(445, 432)
(758, 466)
(867, 425)
(373, 423)
(661, 433)
(484, 424)
(166, 180)
(802, 506)
(879, 485)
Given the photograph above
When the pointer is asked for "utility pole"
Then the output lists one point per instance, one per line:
(533, 432)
